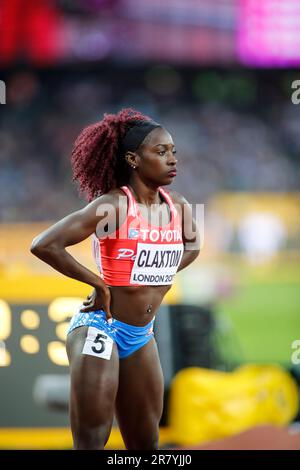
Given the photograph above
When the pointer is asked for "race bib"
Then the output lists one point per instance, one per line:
(98, 344)
(156, 264)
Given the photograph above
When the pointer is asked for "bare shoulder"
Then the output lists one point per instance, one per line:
(110, 208)
(114, 198)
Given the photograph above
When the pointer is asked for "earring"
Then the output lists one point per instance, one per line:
(133, 166)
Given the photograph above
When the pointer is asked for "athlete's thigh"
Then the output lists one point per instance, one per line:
(139, 402)
(94, 381)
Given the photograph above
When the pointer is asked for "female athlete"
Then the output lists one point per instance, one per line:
(142, 235)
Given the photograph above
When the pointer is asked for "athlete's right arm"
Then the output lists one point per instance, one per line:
(50, 245)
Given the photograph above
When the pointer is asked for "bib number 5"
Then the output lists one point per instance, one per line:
(98, 344)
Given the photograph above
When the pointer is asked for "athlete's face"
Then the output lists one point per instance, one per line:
(156, 160)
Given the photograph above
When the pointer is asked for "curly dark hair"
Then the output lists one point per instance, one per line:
(97, 160)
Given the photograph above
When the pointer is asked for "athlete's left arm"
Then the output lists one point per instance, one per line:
(190, 230)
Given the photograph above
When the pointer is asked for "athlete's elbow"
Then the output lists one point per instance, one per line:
(196, 253)
(192, 253)
(39, 247)
(35, 246)
(192, 247)
(36, 249)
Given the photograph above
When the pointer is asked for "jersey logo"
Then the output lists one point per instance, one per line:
(133, 233)
(126, 253)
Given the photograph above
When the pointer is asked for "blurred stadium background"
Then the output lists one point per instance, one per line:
(219, 75)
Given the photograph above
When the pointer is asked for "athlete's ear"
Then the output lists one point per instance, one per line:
(131, 159)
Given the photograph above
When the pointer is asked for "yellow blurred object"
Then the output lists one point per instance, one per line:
(59, 438)
(206, 405)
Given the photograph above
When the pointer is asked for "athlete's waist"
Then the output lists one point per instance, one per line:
(137, 294)
(133, 324)
(136, 305)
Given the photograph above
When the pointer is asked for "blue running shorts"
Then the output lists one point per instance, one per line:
(128, 338)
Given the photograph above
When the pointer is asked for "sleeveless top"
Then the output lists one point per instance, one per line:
(138, 253)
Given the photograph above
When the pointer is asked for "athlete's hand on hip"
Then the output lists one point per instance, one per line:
(97, 300)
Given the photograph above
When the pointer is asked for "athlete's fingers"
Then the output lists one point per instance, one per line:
(109, 316)
(106, 305)
(86, 306)
(88, 309)
(106, 309)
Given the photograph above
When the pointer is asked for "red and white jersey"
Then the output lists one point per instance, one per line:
(138, 253)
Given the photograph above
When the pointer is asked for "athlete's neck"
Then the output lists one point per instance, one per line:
(144, 194)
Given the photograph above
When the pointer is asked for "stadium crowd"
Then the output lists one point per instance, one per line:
(43, 117)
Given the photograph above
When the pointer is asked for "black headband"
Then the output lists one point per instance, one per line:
(135, 136)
